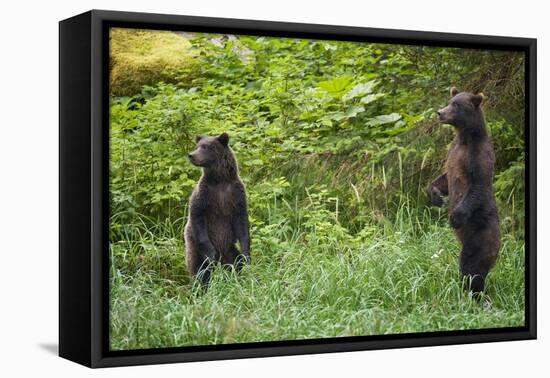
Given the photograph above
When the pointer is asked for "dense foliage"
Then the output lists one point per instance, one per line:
(336, 143)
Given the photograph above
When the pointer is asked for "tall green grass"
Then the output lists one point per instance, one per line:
(312, 276)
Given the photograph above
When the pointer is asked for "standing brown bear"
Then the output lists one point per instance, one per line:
(468, 181)
(218, 215)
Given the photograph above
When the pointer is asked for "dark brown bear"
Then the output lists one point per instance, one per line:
(218, 215)
(468, 181)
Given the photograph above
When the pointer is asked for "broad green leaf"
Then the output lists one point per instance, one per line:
(383, 119)
(361, 89)
(354, 110)
(337, 116)
(371, 97)
(338, 86)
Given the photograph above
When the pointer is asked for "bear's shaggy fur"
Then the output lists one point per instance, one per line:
(468, 181)
(218, 215)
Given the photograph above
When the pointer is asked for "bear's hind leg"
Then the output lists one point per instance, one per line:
(476, 259)
(473, 274)
(202, 270)
(474, 282)
(199, 266)
(473, 269)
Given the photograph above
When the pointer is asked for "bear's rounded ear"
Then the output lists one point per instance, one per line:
(454, 91)
(198, 138)
(477, 99)
(224, 139)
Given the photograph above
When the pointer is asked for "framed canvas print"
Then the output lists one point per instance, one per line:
(234, 188)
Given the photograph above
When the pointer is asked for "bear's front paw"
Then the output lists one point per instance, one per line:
(435, 197)
(436, 200)
(458, 218)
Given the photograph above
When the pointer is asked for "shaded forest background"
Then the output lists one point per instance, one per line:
(336, 143)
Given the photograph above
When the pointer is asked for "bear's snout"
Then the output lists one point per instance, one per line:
(443, 115)
(197, 159)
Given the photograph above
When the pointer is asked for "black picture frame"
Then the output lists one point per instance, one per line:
(83, 188)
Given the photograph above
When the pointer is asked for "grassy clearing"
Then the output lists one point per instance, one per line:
(392, 276)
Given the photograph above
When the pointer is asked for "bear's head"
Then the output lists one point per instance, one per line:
(463, 109)
(210, 150)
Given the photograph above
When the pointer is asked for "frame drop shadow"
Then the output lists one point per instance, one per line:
(52, 348)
